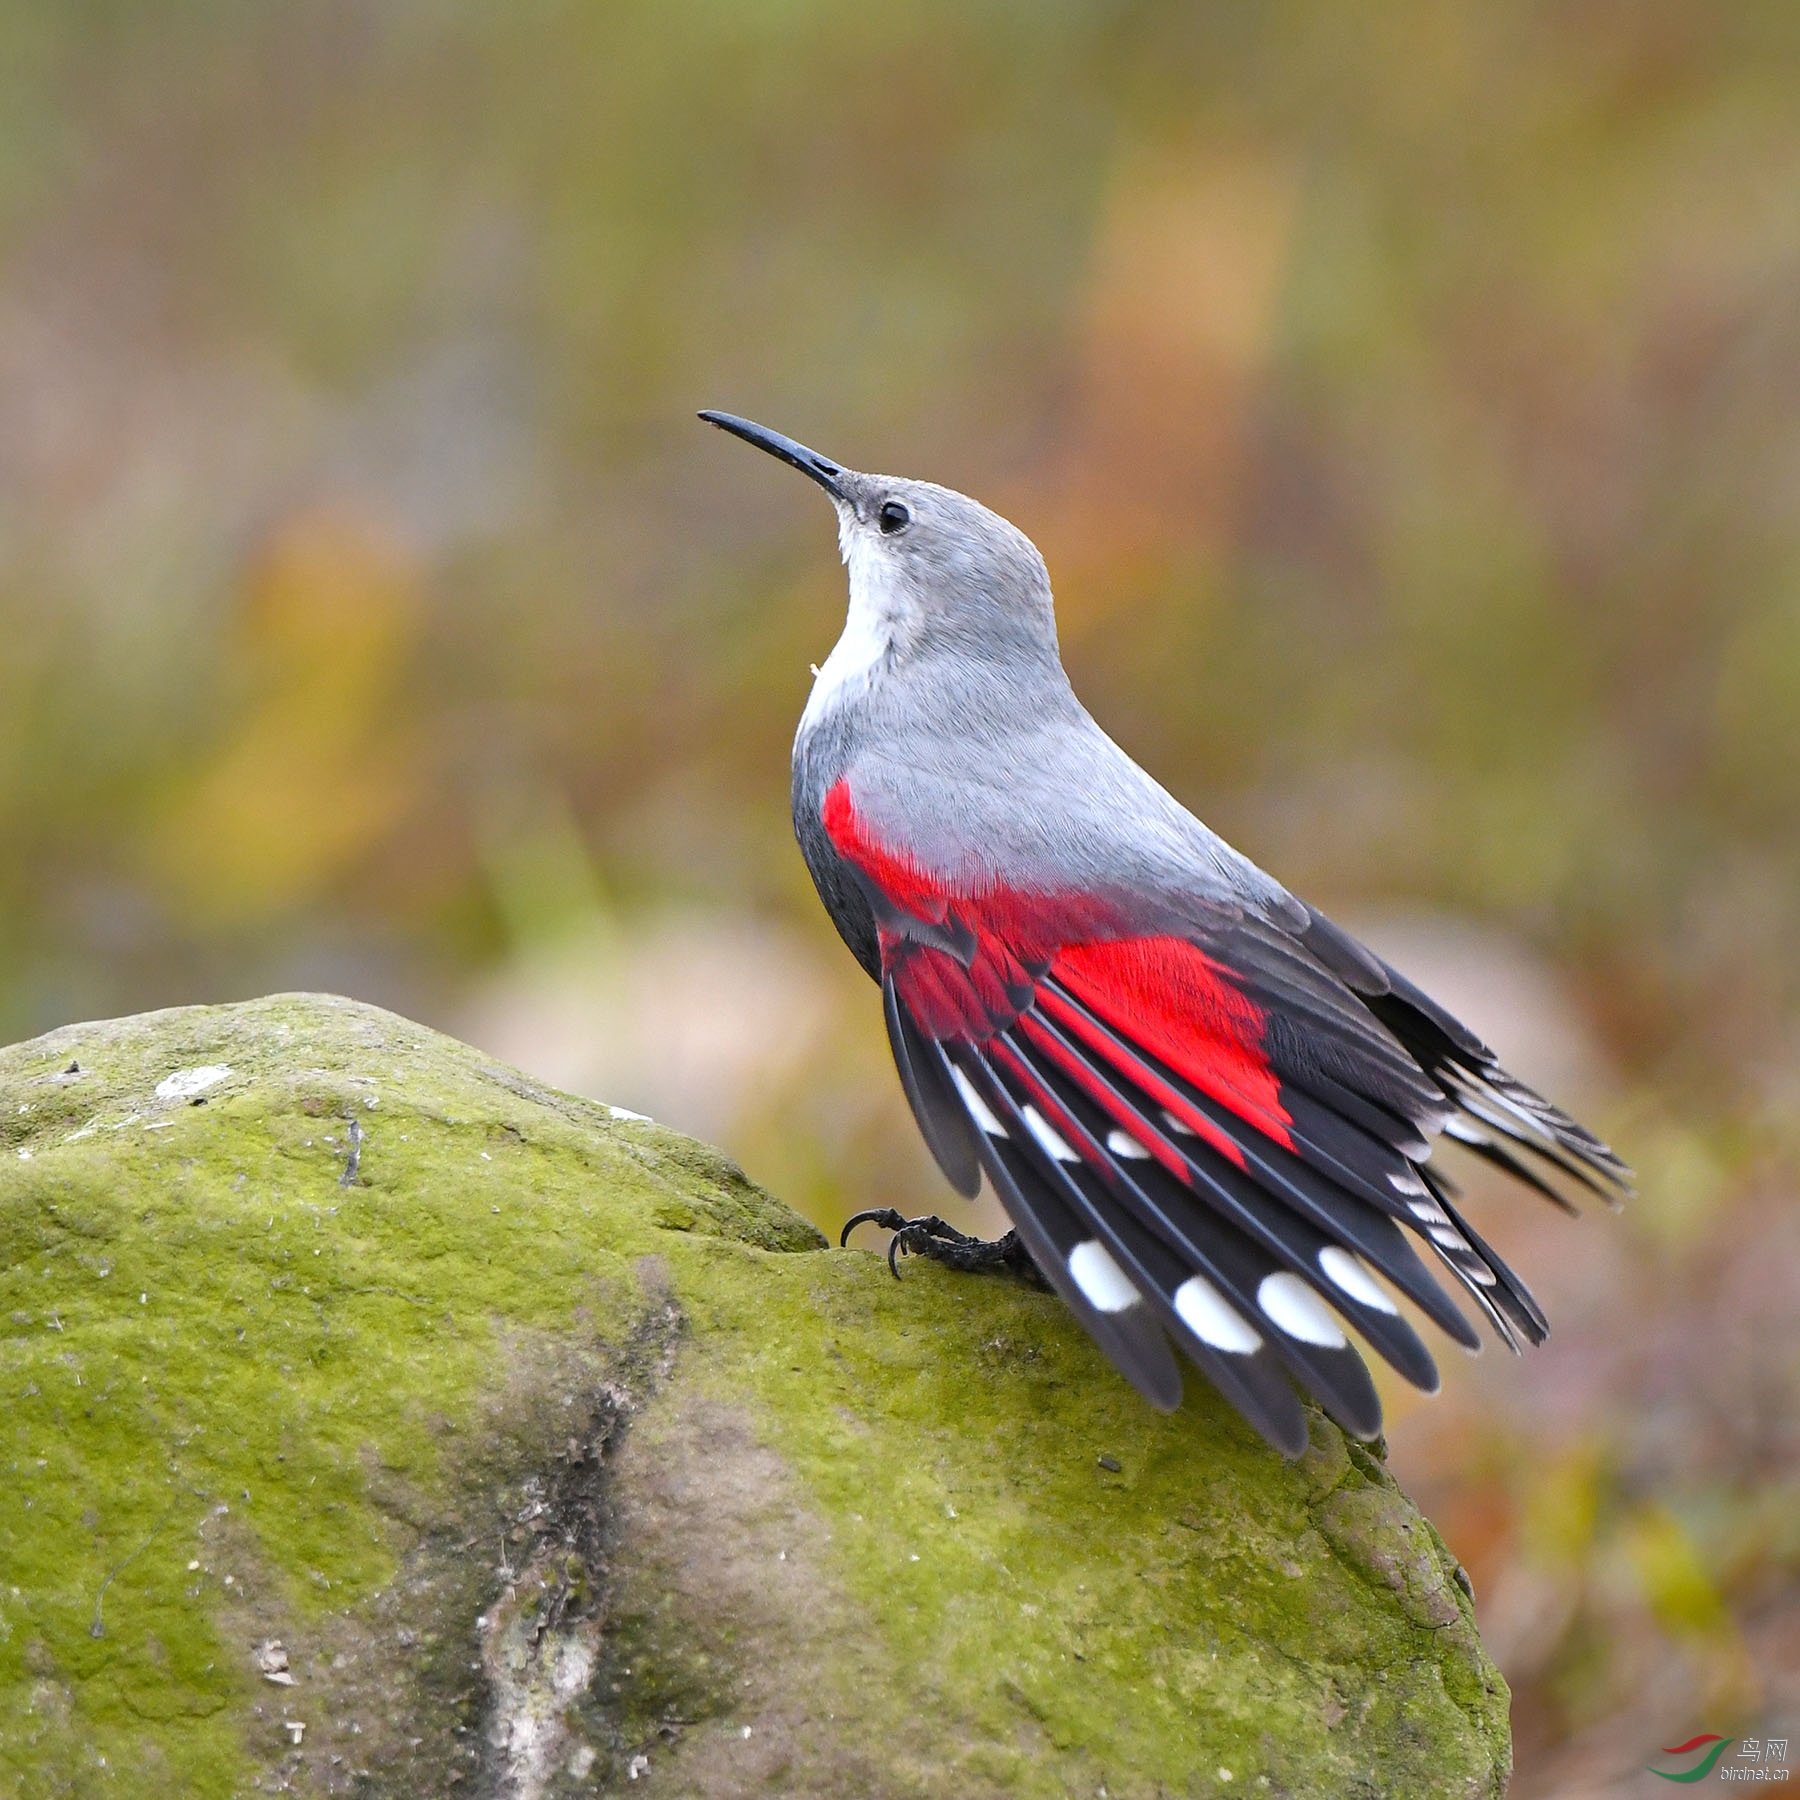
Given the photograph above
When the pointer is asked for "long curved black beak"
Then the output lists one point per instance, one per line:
(809, 462)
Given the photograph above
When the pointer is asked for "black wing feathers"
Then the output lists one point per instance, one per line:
(1251, 1252)
(937, 1109)
(1275, 1198)
(1470, 1077)
(1237, 1242)
(1129, 1335)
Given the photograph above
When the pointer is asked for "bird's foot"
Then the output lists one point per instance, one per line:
(939, 1240)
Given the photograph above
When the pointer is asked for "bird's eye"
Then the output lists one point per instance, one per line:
(893, 517)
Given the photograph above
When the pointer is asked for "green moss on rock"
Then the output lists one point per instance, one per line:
(503, 1444)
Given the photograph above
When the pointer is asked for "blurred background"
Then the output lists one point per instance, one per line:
(1407, 400)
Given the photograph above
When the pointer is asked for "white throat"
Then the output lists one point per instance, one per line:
(868, 635)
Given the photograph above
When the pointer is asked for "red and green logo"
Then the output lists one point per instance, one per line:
(1704, 1767)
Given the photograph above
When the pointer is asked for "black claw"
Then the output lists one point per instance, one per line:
(939, 1240)
(889, 1218)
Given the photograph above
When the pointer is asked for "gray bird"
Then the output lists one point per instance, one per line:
(1206, 1109)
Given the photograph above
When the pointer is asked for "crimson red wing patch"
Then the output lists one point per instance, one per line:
(1173, 1000)
(1212, 1138)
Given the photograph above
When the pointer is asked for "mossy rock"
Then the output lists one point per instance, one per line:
(380, 1422)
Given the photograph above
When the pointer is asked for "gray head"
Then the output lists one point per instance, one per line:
(930, 569)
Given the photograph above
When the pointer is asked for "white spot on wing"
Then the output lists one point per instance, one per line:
(1349, 1274)
(185, 1083)
(1291, 1306)
(1212, 1318)
(1121, 1143)
(1045, 1133)
(1407, 1183)
(1175, 1124)
(979, 1109)
(1449, 1237)
(1105, 1284)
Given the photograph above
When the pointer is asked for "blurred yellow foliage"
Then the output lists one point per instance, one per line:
(1687, 1604)
(317, 757)
(1680, 1592)
(1563, 1506)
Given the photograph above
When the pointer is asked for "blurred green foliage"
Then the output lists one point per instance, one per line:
(1407, 399)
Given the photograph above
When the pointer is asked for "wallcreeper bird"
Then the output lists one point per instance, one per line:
(1207, 1111)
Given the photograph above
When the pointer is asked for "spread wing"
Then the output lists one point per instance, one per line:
(1219, 1137)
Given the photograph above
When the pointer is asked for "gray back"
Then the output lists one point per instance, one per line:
(946, 706)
